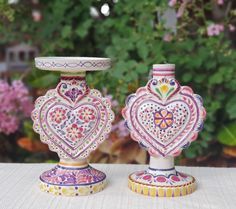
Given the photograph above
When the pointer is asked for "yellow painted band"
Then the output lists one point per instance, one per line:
(167, 191)
(72, 190)
(72, 164)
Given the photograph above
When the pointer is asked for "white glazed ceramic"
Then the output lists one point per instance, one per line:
(73, 120)
(72, 64)
(164, 118)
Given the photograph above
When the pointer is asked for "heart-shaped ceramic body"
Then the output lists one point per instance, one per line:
(164, 117)
(72, 119)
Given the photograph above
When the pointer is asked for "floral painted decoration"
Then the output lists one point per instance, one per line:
(58, 115)
(72, 119)
(86, 114)
(163, 116)
(163, 119)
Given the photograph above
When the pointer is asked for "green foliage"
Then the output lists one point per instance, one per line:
(28, 130)
(133, 36)
(227, 135)
(7, 12)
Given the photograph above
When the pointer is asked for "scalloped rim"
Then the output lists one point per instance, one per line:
(192, 136)
(103, 135)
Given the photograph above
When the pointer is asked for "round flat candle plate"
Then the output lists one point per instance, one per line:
(72, 64)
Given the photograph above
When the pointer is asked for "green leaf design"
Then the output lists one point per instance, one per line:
(168, 93)
(158, 91)
(227, 135)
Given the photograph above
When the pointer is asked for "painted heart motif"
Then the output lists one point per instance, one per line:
(72, 90)
(72, 127)
(166, 119)
(165, 122)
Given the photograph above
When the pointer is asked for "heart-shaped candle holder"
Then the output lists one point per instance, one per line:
(164, 118)
(73, 120)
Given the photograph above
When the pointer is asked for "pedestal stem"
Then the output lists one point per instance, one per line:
(162, 166)
(76, 163)
(163, 71)
(161, 163)
(69, 74)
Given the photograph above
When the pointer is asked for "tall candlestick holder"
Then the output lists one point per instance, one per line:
(164, 118)
(73, 120)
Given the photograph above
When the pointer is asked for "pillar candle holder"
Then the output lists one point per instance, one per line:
(73, 120)
(164, 118)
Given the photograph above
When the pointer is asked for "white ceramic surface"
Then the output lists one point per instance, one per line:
(72, 64)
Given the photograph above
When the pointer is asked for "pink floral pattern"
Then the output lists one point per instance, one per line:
(71, 176)
(58, 115)
(72, 127)
(164, 117)
(170, 179)
(74, 132)
(86, 114)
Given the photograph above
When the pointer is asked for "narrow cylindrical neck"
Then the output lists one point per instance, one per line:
(75, 76)
(161, 162)
(162, 165)
(74, 163)
(163, 70)
(72, 87)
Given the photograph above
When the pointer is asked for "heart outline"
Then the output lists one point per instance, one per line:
(184, 93)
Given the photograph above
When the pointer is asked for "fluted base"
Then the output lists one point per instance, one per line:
(72, 180)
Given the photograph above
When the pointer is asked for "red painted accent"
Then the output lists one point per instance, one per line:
(72, 78)
(168, 69)
(163, 74)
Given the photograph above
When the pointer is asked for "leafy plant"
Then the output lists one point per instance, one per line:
(227, 135)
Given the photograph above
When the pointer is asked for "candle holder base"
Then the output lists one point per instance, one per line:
(72, 180)
(163, 184)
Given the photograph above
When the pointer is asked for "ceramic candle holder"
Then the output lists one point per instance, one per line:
(73, 120)
(164, 118)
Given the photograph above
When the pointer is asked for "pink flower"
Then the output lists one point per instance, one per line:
(172, 3)
(181, 9)
(86, 114)
(9, 123)
(58, 115)
(74, 132)
(231, 28)
(37, 16)
(167, 37)
(15, 104)
(120, 128)
(214, 29)
(114, 103)
(22, 95)
(220, 2)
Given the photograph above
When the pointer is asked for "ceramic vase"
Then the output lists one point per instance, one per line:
(73, 120)
(164, 118)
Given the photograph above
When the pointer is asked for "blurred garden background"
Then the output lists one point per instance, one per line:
(199, 36)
